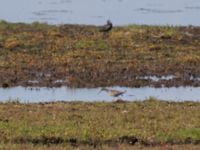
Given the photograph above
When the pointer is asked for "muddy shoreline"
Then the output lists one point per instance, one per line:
(80, 56)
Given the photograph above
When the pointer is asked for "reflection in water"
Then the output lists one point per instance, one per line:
(41, 94)
(121, 12)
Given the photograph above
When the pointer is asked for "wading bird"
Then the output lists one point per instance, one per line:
(106, 28)
(113, 93)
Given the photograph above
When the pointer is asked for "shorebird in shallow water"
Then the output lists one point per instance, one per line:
(113, 93)
(107, 27)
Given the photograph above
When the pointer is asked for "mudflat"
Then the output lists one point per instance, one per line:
(80, 56)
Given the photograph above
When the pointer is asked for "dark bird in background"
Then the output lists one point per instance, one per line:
(107, 27)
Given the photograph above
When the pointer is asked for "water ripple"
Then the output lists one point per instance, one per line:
(46, 12)
(193, 7)
(159, 11)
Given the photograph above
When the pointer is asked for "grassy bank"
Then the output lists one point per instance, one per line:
(77, 55)
(148, 123)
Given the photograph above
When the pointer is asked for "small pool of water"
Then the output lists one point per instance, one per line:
(156, 78)
(42, 94)
(121, 12)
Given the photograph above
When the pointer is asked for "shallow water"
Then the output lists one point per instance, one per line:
(41, 94)
(121, 12)
(156, 78)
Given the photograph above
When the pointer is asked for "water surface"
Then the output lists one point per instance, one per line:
(41, 94)
(121, 12)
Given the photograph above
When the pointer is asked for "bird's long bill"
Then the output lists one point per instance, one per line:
(99, 91)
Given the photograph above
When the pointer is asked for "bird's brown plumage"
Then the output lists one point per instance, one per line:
(113, 93)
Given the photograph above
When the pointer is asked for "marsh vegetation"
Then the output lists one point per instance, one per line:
(100, 125)
(80, 56)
